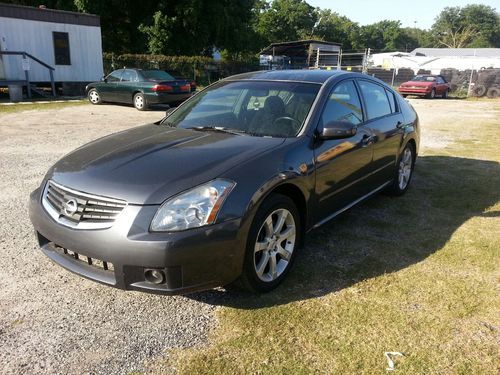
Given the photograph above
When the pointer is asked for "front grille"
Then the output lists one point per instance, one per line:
(80, 210)
(97, 263)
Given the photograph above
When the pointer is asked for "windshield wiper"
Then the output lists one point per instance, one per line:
(219, 129)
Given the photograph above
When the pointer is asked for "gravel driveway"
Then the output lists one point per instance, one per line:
(52, 321)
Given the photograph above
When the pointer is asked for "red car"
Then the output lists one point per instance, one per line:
(426, 85)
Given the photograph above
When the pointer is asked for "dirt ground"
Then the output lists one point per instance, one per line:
(52, 321)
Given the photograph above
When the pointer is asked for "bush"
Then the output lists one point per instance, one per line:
(202, 69)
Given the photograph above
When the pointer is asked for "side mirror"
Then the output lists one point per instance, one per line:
(104, 79)
(338, 130)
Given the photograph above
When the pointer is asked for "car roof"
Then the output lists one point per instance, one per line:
(313, 76)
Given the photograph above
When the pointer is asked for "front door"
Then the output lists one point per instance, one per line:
(108, 89)
(342, 164)
(127, 86)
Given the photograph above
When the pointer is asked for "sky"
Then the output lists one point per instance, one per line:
(407, 11)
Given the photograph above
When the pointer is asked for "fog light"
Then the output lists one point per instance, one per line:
(154, 276)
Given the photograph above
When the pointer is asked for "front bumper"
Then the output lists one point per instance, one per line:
(412, 91)
(191, 260)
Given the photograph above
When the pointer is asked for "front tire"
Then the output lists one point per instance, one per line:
(432, 94)
(272, 243)
(94, 97)
(140, 102)
(404, 172)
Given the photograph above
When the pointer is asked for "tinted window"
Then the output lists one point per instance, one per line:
(377, 103)
(392, 102)
(157, 75)
(61, 48)
(129, 75)
(114, 76)
(343, 105)
(257, 108)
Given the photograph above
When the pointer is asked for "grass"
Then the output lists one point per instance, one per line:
(39, 106)
(416, 274)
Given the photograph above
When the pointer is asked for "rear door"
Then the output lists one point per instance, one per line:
(342, 164)
(385, 120)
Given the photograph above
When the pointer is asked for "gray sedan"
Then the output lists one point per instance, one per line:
(225, 188)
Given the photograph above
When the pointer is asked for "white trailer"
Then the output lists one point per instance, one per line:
(37, 41)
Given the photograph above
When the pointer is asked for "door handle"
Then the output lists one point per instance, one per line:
(399, 125)
(367, 139)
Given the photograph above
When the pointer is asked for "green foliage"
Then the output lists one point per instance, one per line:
(201, 68)
(286, 20)
(472, 26)
(194, 27)
(335, 28)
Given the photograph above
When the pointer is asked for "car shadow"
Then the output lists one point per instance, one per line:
(384, 234)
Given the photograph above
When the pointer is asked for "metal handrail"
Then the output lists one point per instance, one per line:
(26, 72)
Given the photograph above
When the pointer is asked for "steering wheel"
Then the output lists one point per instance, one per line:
(287, 118)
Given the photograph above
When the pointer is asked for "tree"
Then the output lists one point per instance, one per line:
(193, 27)
(119, 22)
(333, 27)
(285, 20)
(382, 36)
(471, 26)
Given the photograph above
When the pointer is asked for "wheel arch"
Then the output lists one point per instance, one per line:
(295, 193)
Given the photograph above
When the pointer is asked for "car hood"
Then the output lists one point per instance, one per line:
(147, 164)
(417, 83)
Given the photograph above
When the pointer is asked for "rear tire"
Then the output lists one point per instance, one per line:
(445, 95)
(140, 102)
(404, 171)
(94, 97)
(272, 243)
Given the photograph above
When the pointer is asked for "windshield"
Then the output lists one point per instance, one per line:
(157, 75)
(276, 109)
(424, 78)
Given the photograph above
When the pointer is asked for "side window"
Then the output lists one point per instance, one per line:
(61, 48)
(440, 80)
(129, 76)
(114, 76)
(343, 105)
(392, 102)
(377, 103)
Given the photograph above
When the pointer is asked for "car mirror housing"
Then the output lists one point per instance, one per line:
(104, 79)
(338, 130)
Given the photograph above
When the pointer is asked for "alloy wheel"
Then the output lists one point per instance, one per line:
(274, 245)
(405, 167)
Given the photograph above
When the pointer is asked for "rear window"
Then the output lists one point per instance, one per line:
(392, 101)
(377, 103)
(157, 75)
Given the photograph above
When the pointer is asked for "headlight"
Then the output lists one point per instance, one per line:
(192, 209)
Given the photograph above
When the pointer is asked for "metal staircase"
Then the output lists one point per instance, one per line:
(26, 82)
